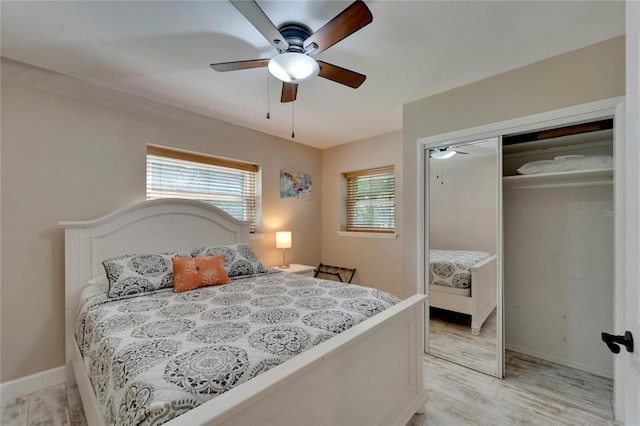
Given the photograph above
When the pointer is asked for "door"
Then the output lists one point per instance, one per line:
(629, 379)
(627, 319)
(463, 278)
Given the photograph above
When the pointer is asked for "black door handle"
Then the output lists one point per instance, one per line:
(613, 341)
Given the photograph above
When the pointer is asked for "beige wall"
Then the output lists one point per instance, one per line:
(458, 221)
(585, 75)
(378, 262)
(558, 274)
(73, 151)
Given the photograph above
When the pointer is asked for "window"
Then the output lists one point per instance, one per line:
(227, 184)
(370, 200)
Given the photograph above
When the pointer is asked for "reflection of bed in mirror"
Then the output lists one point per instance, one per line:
(463, 282)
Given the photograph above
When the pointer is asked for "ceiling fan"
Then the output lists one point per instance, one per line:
(444, 152)
(296, 45)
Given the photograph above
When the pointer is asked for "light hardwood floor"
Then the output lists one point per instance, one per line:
(535, 392)
(56, 406)
(450, 338)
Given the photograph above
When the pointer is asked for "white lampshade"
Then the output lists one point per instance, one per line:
(283, 239)
(293, 67)
(442, 155)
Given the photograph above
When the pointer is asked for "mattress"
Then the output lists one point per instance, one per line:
(153, 357)
(452, 268)
(465, 292)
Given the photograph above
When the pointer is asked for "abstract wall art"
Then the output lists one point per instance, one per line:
(295, 185)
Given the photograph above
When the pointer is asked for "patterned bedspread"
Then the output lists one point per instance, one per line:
(452, 268)
(153, 357)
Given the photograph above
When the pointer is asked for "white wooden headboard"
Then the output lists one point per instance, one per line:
(149, 226)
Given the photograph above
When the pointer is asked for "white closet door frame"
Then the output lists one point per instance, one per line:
(627, 405)
(607, 108)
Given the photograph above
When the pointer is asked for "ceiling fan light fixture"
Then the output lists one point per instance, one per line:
(293, 67)
(442, 154)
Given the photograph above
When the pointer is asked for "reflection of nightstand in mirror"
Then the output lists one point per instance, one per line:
(296, 268)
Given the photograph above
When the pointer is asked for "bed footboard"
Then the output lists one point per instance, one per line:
(484, 277)
(368, 375)
(480, 304)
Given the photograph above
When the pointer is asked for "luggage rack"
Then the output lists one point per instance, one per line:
(335, 271)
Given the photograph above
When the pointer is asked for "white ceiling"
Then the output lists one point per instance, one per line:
(162, 51)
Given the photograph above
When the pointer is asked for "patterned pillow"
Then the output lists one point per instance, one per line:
(239, 259)
(190, 273)
(139, 273)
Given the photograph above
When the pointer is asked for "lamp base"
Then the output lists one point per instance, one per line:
(284, 262)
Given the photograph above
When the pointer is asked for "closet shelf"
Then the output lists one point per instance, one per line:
(560, 179)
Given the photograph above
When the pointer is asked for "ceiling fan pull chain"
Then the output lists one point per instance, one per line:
(293, 109)
(268, 93)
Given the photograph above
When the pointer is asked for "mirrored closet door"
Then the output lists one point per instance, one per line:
(462, 213)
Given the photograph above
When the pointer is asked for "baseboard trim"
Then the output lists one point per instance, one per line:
(25, 385)
(546, 357)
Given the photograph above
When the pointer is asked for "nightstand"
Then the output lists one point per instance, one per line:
(296, 268)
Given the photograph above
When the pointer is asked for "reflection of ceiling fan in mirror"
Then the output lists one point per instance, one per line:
(444, 152)
(296, 45)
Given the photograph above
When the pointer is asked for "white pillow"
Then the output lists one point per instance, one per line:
(101, 282)
(567, 163)
(87, 292)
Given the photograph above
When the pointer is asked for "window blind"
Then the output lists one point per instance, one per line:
(226, 184)
(370, 200)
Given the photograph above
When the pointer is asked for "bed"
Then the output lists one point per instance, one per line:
(464, 282)
(370, 373)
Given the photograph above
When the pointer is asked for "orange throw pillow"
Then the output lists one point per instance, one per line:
(195, 272)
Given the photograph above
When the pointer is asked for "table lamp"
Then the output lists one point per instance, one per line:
(283, 241)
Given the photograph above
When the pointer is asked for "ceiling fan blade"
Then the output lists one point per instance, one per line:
(289, 92)
(240, 65)
(341, 75)
(343, 25)
(459, 152)
(263, 24)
